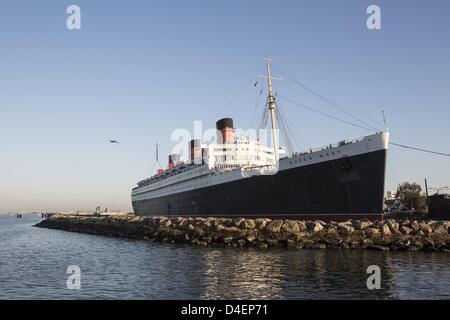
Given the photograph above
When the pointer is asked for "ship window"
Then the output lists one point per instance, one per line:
(321, 155)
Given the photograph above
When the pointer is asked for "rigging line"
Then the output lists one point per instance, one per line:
(341, 108)
(261, 118)
(289, 131)
(284, 132)
(294, 130)
(289, 148)
(255, 109)
(324, 114)
(263, 122)
(419, 149)
(302, 138)
(290, 142)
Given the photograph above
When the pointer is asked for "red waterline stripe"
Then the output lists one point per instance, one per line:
(320, 216)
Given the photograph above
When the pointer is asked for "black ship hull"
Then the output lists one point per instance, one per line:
(351, 187)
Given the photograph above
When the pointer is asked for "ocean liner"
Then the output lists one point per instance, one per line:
(241, 177)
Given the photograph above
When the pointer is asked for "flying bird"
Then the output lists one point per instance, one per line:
(113, 141)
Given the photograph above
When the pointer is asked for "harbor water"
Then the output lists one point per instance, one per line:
(34, 262)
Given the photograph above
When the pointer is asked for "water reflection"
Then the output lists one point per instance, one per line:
(242, 274)
(293, 274)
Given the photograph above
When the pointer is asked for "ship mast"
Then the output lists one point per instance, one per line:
(272, 106)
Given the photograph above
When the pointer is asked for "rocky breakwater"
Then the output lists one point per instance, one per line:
(264, 233)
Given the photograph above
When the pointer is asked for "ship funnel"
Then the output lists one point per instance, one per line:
(225, 131)
(195, 151)
(174, 159)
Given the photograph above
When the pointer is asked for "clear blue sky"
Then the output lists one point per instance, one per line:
(139, 69)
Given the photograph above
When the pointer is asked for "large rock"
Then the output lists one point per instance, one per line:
(333, 240)
(250, 238)
(405, 230)
(361, 225)
(247, 224)
(199, 231)
(235, 231)
(382, 241)
(393, 225)
(405, 223)
(371, 232)
(179, 219)
(425, 228)
(227, 222)
(316, 227)
(199, 220)
(181, 222)
(366, 242)
(385, 230)
(206, 224)
(401, 243)
(274, 226)
(377, 247)
(219, 227)
(238, 221)
(302, 226)
(359, 233)
(165, 223)
(290, 227)
(261, 223)
(415, 226)
(439, 228)
(346, 227)
(332, 231)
